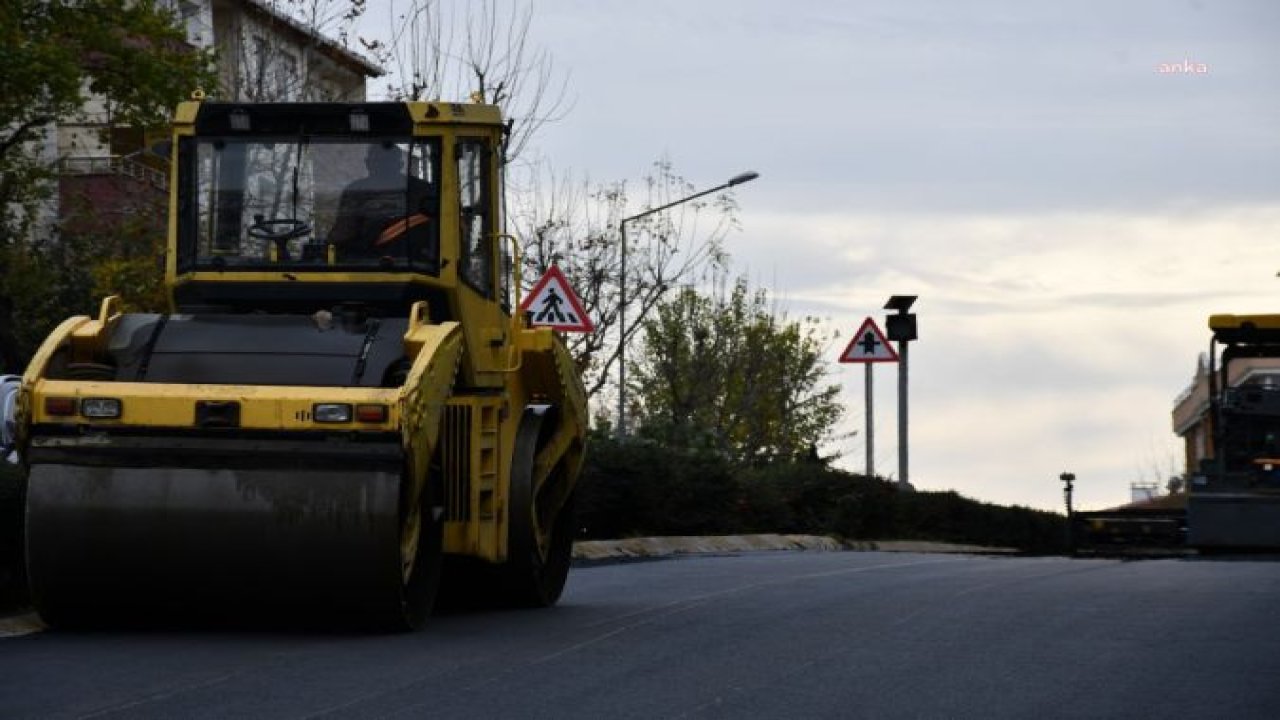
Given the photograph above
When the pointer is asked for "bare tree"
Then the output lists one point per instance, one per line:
(452, 51)
(575, 224)
(483, 49)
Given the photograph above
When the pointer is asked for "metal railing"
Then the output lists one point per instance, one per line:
(114, 165)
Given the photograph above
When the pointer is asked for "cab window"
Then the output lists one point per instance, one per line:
(475, 221)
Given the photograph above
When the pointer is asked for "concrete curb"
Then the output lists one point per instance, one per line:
(660, 547)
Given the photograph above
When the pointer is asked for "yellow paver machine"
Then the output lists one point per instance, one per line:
(343, 404)
(1234, 499)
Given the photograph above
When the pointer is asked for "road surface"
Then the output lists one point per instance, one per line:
(766, 635)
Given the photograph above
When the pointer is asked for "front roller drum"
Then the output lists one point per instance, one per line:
(542, 519)
(187, 543)
(540, 532)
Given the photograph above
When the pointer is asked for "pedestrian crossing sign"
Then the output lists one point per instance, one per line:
(552, 303)
(868, 345)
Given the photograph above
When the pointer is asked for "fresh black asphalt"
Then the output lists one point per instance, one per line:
(763, 635)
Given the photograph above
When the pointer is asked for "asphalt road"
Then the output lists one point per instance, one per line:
(770, 635)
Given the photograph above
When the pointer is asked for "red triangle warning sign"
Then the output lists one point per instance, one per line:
(868, 345)
(552, 303)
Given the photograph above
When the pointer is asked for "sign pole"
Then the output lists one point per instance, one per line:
(869, 346)
(902, 415)
(871, 423)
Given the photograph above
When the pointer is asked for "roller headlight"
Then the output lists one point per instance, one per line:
(331, 412)
(101, 408)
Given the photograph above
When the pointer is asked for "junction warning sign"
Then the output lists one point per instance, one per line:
(868, 345)
(552, 303)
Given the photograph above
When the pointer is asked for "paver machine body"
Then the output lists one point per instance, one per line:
(1234, 499)
(341, 402)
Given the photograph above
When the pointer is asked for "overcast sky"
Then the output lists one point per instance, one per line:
(1068, 214)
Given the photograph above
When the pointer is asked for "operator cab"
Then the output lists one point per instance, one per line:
(279, 203)
(312, 203)
(1246, 417)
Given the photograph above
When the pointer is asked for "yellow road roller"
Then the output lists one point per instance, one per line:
(343, 412)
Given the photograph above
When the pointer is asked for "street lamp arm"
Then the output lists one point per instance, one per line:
(736, 180)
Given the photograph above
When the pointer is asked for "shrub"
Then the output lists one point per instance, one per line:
(644, 488)
(640, 488)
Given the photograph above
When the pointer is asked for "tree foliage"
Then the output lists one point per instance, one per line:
(728, 373)
(131, 58)
(132, 54)
(49, 279)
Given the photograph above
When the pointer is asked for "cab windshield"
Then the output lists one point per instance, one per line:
(311, 203)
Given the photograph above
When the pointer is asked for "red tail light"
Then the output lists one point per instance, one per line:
(60, 406)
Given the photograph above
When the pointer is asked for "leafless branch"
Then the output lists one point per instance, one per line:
(438, 51)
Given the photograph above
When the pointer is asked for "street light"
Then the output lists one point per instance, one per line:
(738, 179)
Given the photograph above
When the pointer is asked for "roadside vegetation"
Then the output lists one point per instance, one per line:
(133, 56)
(642, 488)
(732, 402)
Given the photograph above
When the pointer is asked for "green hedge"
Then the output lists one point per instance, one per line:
(641, 488)
(637, 488)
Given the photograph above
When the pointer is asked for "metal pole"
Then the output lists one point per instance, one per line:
(902, 327)
(871, 423)
(1068, 483)
(622, 336)
(902, 415)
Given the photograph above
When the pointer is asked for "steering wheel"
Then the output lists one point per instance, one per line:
(278, 230)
